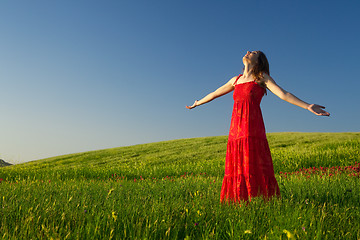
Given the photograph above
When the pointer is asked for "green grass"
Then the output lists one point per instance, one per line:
(142, 192)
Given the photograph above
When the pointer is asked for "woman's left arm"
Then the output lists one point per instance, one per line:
(289, 97)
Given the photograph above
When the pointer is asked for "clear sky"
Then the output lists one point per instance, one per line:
(87, 75)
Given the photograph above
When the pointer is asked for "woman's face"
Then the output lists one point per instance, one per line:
(251, 57)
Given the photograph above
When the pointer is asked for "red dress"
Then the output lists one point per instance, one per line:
(249, 169)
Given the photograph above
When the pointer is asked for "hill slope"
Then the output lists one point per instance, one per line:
(290, 152)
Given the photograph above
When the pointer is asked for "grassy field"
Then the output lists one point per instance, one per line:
(171, 190)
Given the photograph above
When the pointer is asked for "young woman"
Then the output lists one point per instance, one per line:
(249, 169)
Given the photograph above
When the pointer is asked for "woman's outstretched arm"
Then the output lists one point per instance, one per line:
(226, 88)
(286, 96)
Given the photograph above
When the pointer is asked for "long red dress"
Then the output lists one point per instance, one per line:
(249, 169)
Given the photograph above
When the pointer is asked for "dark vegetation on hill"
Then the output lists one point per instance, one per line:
(4, 164)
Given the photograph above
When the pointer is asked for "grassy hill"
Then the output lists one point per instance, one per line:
(171, 190)
(290, 151)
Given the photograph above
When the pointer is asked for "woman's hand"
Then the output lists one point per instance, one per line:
(194, 105)
(317, 109)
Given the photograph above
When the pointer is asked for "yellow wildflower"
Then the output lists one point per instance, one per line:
(289, 234)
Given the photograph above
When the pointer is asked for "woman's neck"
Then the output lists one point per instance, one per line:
(248, 70)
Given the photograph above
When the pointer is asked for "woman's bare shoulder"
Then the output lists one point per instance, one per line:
(233, 80)
(267, 78)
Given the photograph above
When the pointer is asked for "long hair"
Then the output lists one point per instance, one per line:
(261, 67)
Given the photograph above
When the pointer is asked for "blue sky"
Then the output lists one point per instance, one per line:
(87, 75)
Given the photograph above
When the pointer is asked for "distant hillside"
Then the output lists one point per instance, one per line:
(4, 164)
(290, 151)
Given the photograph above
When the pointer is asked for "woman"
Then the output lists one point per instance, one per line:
(249, 169)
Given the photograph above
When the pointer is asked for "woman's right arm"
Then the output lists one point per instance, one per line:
(290, 98)
(226, 88)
